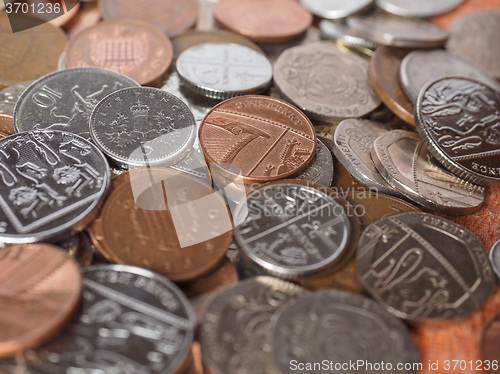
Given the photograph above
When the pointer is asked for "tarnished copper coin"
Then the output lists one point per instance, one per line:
(260, 137)
(6, 123)
(29, 54)
(263, 20)
(136, 49)
(170, 16)
(490, 341)
(40, 286)
(384, 75)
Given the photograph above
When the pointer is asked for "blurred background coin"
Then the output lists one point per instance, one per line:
(422, 9)
(334, 9)
(495, 258)
(10, 95)
(490, 339)
(338, 30)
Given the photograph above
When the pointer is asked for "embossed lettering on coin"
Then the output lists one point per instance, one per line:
(320, 170)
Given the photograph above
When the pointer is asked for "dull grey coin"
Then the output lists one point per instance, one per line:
(421, 9)
(320, 170)
(143, 126)
(327, 83)
(459, 121)
(64, 100)
(387, 29)
(10, 95)
(292, 229)
(224, 70)
(413, 264)
(404, 161)
(333, 9)
(131, 321)
(235, 333)
(423, 66)
(338, 30)
(495, 258)
(53, 183)
(335, 329)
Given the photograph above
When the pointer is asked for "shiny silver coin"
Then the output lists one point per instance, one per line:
(334, 9)
(327, 83)
(337, 328)
(405, 162)
(387, 29)
(459, 121)
(235, 333)
(292, 229)
(10, 95)
(337, 30)
(64, 100)
(421, 9)
(495, 258)
(61, 63)
(224, 70)
(423, 66)
(143, 126)
(413, 264)
(131, 321)
(352, 142)
(320, 170)
(53, 183)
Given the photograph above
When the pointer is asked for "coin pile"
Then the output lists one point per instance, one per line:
(244, 186)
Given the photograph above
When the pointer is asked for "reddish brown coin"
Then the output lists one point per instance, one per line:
(88, 15)
(133, 48)
(6, 124)
(261, 138)
(165, 221)
(269, 21)
(170, 16)
(40, 287)
(384, 75)
(468, 6)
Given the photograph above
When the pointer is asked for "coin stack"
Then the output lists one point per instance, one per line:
(249, 186)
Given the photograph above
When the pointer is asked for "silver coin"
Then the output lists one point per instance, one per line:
(421, 9)
(327, 83)
(337, 30)
(413, 264)
(459, 121)
(53, 183)
(131, 321)
(320, 170)
(423, 66)
(337, 328)
(143, 126)
(404, 161)
(352, 141)
(334, 9)
(64, 100)
(224, 70)
(236, 333)
(387, 29)
(10, 95)
(61, 63)
(291, 229)
(495, 258)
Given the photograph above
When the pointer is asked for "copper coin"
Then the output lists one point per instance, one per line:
(130, 47)
(384, 75)
(88, 15)
(469, 6)
(6, 123)
(266, 21)
(29, 54)
(170, 16)
(63, 19)
(40, 286)
(259, 137)
(490, 341)
(3, 135)
(151, 221)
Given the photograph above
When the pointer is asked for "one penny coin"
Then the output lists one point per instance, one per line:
(136, 49)
(40, 286)
(258, 138)
(6, 123)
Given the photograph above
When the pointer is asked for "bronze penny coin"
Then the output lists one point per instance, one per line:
(259, 137)
(384, 75)
(170, 16)
(29, 54)
(266, 21)
(40, 287)
(88, 15)
(165, 221)
(445, 20)
(136, 49)
(490, 341)
(7, 123)
(3, 135)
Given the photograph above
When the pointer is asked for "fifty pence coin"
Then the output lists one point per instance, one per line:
(236, 334)
(64, 100)
(338, 328)
(53, 183)
(333, 9)
(326, 82)
(412, 263)
(224, 70)
(40, 287)
(489, 343)
(423, 66)
(143, 126)
(422, 9)
(458, 120)
(495, 258)
(131, 321)
(320, 170)
(405, 162)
